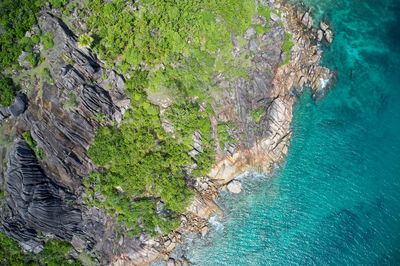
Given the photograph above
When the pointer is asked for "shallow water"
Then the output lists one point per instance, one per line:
(336, 201)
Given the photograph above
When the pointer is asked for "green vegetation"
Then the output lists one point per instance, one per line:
(224, 131)
(264, 11)
(183, 43)
(55, 252)
(257, 114)
(71, 101)
(7, 91)
(85, 40)
(58, 3)
(46, 75)
(16, 18)
(33, 145)
(142, 165)
(287, 46)
(47, 40)
(174, 49)
(188, 118)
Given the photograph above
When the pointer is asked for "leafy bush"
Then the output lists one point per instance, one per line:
(189, 39)
(46, 75)
(55, 252)
(47, 40)
(257, 114)
(58, 3)
(33, 145)
(85, 40)
(188, 118)
(287, 46)
(7, 91)
(16, 18)
(224, 131)
(142, 165)
(32, 59)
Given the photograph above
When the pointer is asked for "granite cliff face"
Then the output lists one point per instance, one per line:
(65, 132)
(272, 88)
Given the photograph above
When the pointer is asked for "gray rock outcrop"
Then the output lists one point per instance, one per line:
(44, 197)
(35, 203)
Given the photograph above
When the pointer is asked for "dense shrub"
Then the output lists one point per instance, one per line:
(142, 165)
(7, 91)
(184, 43)
(85, 40)
(16, 18)
(33, 145)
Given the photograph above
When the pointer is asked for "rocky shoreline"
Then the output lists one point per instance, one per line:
(266, 149)
(61, 116)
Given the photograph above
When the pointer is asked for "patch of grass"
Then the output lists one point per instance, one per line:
(264, 11)
(33, 145)
(287, 46)
(71, 101)
(47, 76)
(257, 114)
(47, 40)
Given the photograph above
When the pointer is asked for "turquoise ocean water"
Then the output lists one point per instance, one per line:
(336, 200)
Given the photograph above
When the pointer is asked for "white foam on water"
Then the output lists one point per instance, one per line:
(324, 82)
(216, 223)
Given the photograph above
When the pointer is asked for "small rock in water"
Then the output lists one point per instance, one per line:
(320, 35)
(235, 187)
(329, 36)
(324, 26)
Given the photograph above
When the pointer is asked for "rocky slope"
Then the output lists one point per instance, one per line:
(45, 196)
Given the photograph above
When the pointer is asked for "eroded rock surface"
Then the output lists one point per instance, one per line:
(63, 116)
(35, 203)
(44, 197)
(271, 90)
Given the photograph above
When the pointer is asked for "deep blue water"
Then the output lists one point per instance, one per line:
(336, 200)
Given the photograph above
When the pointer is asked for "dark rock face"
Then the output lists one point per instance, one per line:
(44, 197)
(63, 116)
(34, 202)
